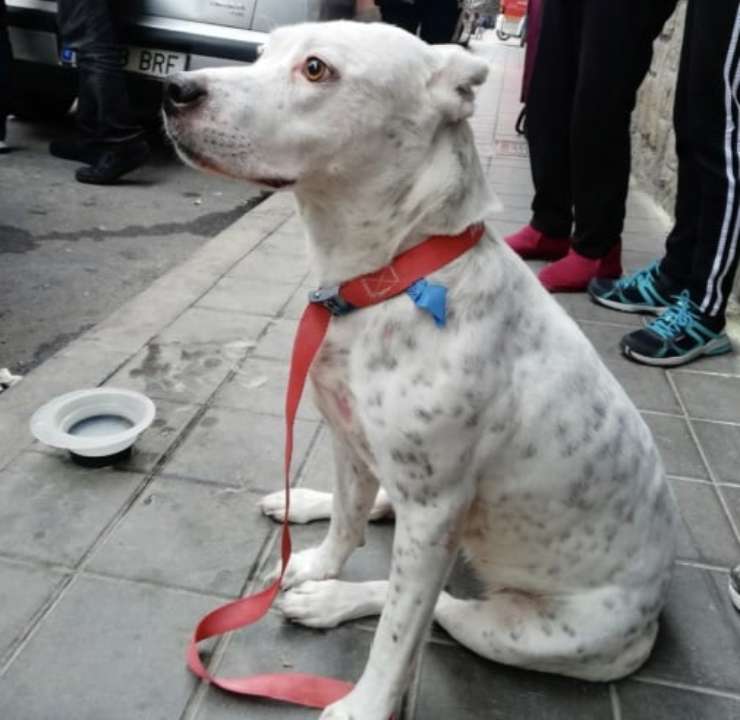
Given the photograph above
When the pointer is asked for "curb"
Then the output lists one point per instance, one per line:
(96, 355)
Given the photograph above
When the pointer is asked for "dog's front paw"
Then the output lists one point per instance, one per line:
(306, 505)
(312, 564)
(348, 709)
(323, 604)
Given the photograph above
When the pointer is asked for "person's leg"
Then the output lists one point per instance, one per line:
(549, 107)
(714, 127)
(401, 14)
(709, 134)
(681, 241)
(615, 55)
(438, 20)
(6, 88)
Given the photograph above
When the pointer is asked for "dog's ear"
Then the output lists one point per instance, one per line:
(455, 75)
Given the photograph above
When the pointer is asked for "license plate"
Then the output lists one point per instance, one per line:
(157, 63)
(145, 61)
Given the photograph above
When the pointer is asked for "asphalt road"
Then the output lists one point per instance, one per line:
(71, 253)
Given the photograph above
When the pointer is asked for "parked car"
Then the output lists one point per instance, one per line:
(162, 36)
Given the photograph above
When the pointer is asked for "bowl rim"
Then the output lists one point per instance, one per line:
(44, 422)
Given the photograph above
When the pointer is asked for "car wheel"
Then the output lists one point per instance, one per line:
(502, 35)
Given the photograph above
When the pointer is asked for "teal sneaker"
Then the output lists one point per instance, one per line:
(678, 336)
(644, 291)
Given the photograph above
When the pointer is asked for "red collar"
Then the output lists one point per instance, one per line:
(405, 269)
(408, 267)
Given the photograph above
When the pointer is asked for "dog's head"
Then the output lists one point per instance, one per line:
(325, 102)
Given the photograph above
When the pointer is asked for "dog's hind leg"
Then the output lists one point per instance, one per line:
(594, 635)
(307, 505)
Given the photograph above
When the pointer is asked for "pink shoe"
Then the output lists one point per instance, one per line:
(532, 244)
(574, 272)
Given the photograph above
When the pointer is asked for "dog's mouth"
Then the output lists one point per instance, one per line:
(204, 163)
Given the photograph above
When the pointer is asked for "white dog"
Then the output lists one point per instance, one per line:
(501, 434)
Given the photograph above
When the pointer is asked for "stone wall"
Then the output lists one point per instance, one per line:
(654, 162)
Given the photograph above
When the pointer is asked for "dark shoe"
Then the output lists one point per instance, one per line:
(114, 164)
(681, 334)
(76, 150)
(645, 290)
(4, 147)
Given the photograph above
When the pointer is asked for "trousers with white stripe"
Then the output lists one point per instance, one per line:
(702, 249)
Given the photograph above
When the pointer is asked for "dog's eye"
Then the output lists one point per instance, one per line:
(316, 70)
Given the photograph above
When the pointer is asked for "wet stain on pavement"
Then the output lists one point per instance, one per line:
(17, 240)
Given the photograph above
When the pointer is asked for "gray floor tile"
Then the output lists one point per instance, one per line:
(710, 396)
(266, 265)
(259, 385)
(640, 701)
(721, 443)
(647, 386)
(188, 535)
(581, 307)
(231, 330)
(276, 646)
(318, 472)
(732, 497)
(457, 684)
(184, 373)
(728, 364)
(23, 591)
(52, 509)
(277, 342)
(705, 534)
(676, 446)
(239, 448)
(699, 633)
(110, 650)
(247, 296)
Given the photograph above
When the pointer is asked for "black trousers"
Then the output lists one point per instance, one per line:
(592, 57)
(103, 114)
(434, 20)
(702, 249)
(6, 70)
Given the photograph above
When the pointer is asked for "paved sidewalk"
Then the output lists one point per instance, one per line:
(103, 573)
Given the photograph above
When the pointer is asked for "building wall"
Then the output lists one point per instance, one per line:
(654, 163)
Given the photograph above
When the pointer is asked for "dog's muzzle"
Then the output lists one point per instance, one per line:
(182, 92)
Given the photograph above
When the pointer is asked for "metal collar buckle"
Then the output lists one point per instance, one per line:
(331, 300)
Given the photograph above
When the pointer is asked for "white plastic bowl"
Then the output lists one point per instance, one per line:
(93, 423)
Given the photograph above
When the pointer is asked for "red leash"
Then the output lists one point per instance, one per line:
(412, 265)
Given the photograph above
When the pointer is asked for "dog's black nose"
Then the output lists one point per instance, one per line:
(182, 91)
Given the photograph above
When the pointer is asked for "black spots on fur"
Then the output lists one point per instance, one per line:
(383, 361)
(473, 366)
(409, 342)
(418, 459)
(376, 399)
(608, 604)
(498, 427)
(423, 415)
(394, 637)
(421, 379)
(568, 630)
(414, 438)
(529, 451)
(473, 420)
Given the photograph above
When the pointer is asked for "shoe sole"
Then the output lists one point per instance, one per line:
(623, 307)
(134, 164)
(734, 596)
(718, 346)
